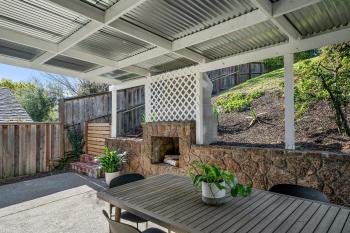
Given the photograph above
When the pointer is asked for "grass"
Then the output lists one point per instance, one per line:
(239, 98)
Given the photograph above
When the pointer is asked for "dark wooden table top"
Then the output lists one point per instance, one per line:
(172, 202)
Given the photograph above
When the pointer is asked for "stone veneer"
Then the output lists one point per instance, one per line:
(325, 171)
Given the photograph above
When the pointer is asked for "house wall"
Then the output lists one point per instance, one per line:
(325, 171)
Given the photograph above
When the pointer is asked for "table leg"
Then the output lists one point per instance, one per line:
(118, 212)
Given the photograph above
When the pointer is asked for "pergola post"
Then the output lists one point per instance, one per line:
(289, 102)
(199, 114)
(114, 114)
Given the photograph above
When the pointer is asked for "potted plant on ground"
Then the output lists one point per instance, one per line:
(111, 162)
(215, 182)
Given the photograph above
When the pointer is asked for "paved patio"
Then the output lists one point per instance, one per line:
(60, 203)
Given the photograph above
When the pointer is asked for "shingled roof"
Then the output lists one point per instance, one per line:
(10, 109)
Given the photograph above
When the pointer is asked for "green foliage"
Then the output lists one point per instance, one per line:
(237, 102)
(277, 62)
(37, 102)
(326, 77)
(111, 161)
(15, 86)
(212, 174)
(76, 139)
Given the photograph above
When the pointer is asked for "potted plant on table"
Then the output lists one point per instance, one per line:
(111, 163)
(215, 182)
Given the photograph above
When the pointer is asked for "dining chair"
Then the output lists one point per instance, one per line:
(117, 227)
(121, 180)
(299, 191)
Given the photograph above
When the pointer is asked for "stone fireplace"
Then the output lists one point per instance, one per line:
(165, 149)
(168, 139)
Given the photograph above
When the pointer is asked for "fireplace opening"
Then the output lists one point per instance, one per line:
(165, 150)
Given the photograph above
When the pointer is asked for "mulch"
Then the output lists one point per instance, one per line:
(315, 130)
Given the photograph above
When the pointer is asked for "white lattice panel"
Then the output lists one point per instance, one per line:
(173, 96)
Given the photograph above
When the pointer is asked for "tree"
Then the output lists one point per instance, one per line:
(63, 86)
(15, 86)
(88, 88)
(37, 102)
(277, 62)
(327, 77)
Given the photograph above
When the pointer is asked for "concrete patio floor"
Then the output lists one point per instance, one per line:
(64, 203)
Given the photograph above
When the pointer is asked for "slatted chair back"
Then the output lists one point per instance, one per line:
(117, 227)
(300, 191)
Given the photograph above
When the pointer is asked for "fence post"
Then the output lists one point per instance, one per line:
(61, 120)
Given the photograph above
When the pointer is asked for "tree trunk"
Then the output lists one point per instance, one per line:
(341, 119)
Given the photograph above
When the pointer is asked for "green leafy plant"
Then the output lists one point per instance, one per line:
(111, 161)
(238, 102)
(213, 174)
(76, 139)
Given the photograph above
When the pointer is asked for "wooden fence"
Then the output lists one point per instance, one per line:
(228, 77)
(95, 137)
(28, 148)
(96, 108)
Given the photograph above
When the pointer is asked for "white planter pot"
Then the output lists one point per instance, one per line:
(210, 190)
(110, 176)
(211, 195)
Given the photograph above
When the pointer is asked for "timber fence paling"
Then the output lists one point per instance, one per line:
(28, 148)
(97, 108)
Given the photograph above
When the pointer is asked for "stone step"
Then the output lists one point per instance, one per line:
(89, 169)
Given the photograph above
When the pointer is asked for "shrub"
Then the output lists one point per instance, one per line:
(77, 141)
(237, 102)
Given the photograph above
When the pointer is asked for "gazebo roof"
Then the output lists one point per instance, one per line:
(117, 41)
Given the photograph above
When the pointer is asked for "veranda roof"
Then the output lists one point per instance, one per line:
(117, 41)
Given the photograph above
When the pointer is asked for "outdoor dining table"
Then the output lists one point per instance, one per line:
(172, 202)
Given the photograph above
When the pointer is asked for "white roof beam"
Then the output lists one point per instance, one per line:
(77, 7)
(54, 69)
(121, 8)
(52, 48)
(151, 38)
(283, 7)
(126, 63)
(24, 39)
(275, 12)
(113, 13)
(279, 50)
(221, 29)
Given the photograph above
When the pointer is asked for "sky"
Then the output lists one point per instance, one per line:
(19, 74)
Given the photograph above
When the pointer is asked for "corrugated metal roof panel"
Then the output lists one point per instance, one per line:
(40, 19)
(19, 51)
(121, 75)
(166, 63)
(257, 36)
(323, 16)
(101, 4)
(176, 19)
(112, 44)
(72, 64)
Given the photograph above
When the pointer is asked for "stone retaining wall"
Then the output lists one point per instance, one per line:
(325, 171)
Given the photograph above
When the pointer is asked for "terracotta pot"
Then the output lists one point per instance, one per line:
(110, 176)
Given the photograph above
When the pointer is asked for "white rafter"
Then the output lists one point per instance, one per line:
(224, 28)
(117, 10)
(54, 69)
(276, 11)
(279, 50)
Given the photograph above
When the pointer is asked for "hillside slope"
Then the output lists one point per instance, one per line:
(314, 129)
